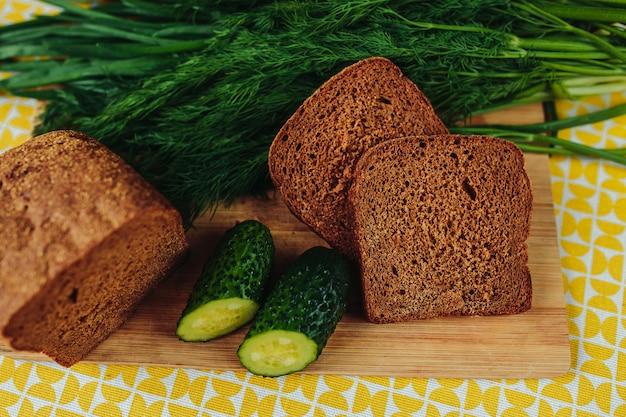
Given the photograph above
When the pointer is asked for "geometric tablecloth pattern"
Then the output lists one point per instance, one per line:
(590, 209)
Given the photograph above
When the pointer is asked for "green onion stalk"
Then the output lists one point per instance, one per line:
(192, 93)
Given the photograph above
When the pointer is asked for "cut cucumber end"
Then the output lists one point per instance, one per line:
(216, 318)
(277, 352)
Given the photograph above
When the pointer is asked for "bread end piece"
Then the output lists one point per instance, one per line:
(88, 238)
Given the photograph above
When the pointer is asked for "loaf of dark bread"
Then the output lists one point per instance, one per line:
(84, 239)
(440, 223)
(312, 158)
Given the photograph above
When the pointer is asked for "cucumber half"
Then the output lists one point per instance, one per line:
(278, 352)
(301, 313)
(216, 318)
(232, 284)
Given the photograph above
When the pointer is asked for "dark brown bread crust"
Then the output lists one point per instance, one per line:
(312, 158)
(85, 238)
(441, 224)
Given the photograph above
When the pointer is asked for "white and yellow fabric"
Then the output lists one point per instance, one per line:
(590, 208)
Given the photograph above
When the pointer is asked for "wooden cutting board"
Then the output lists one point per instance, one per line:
(534, 344)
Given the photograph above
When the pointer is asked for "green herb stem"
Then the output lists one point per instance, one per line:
(57, 50)
(562, 90)
(562, 124)
(554, 44)
(70, 7)
(544, 11)
(71, 70)
(600, 13)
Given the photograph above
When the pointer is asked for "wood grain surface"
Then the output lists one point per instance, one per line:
(534, 344)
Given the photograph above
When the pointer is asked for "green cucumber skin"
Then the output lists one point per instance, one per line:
(240, 266)
(310, 297)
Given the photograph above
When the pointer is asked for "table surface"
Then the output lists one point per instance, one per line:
(590, 211)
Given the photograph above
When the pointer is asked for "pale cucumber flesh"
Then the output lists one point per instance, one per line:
(216, 318)
(277, 352)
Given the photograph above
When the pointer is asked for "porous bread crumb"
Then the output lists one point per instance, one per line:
(440, 224)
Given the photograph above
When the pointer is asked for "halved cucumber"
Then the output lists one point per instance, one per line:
(299, 316)
(231, 286)
(278, 352)
(216, 318)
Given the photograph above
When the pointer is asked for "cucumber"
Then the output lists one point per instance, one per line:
(232, 284)
(300, 314)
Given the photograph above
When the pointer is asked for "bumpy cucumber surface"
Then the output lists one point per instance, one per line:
(231, 287)
(299, 316)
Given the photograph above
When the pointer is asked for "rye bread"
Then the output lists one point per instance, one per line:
(312, 158)
(85, 238)
(440, 224)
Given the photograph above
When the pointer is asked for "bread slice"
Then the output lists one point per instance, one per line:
(84, 239)
(440, 225)
(312, 158)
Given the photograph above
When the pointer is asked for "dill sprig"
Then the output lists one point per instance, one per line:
(533, 137)
(192, 93)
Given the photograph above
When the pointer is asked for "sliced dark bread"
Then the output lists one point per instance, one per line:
(440, 223)
(312, 158)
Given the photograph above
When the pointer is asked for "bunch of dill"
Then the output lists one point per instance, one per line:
(192, 93)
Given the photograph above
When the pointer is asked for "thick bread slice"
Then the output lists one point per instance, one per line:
(441, 224)
(84, 239)
(312, 157)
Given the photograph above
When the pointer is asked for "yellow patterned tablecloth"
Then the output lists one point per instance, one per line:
(590, 208)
